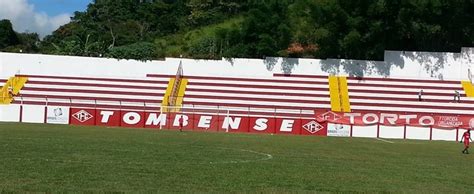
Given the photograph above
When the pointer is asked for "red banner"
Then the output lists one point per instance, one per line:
(396, 119)
(203, 122)
(82, 116)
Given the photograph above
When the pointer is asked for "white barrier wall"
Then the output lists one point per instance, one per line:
(426, 65)
(443, 134)
(392, 132)
(364, 131)
(10, 113)
(33, 114)
(60, 115)
(419, 133)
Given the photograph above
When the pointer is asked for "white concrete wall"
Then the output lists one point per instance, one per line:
(426, 65)
(364, 131)
(443, 134)
(9, 113)
(420, 133)
(33, 114)
(391, 132)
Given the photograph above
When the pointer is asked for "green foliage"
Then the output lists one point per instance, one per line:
(8, 37)
(290, 28)
(138, 51)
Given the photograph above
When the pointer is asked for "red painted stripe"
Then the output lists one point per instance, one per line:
(93, 78)
(85, 105)
(406, 80)
(414, 99)
(95, 85)
(245, 112)
(457, 134)
(89, 91)
(259, 86)
(407, 112)
(405, 131)
(305, 108)
(240, 79)
(378, 130)
(372, 78)
(420, 87)
(211, 98)
(233, 92)
(245, 105)
(21, 113)
(156, 109)
(388, 91)
(300, 75)
(45, 114)
(431, 132)
(66, 97)
(375, 104)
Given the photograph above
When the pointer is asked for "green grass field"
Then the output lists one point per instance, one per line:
(58, 158)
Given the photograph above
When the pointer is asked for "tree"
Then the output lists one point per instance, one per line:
(8, 37)
(138, 51)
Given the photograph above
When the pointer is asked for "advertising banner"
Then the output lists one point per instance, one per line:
(82, 116)
(190, 121)
(57, 115)
(396, 119)
(338, 130)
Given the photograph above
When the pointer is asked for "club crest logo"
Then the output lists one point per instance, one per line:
(82, 116)
(313, 127)
(329, 116)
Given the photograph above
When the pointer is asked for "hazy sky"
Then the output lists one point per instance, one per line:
(40, 16)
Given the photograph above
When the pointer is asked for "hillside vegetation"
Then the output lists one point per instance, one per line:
(358, 29)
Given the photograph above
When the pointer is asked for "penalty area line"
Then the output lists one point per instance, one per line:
(386, 141)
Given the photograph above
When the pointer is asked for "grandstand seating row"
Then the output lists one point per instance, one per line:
(280, 95)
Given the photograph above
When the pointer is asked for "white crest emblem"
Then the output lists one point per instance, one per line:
(82, 116)
(313, 127)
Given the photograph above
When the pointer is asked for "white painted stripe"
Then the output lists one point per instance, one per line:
(237, 89)
(396, 89)
(386, 141)
(124, 102)
(388, 82)
(72, 81)
(236, 94)
(271, 79)
(93, 95)
(408, 103)
(95, 88)
(267, 103)
(408, 109)
(405, 96)
(258, 83)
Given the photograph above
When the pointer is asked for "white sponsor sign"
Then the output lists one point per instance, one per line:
(57, 115)
(337, 130)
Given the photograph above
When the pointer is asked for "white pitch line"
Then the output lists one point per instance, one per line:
(267, 157)
(384, 140)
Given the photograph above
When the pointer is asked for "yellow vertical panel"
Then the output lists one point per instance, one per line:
(468, 88)
(17, 84)
(334, 94)
(344, 91)
(181, 92)
(164, 102)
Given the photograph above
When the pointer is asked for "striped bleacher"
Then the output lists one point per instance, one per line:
(280, 95)
(401, 95)
(289, 97)
(92, 92)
